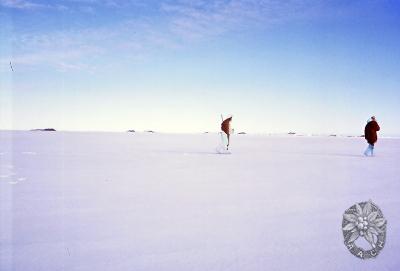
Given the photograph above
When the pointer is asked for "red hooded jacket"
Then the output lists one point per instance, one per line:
(370, 132)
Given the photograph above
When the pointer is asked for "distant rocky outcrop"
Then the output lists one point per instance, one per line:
(291, 133)
(149, 131)
(130, 131)
(45, 130)
(241, 133)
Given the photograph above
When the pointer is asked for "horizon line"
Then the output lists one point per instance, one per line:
(290, 133)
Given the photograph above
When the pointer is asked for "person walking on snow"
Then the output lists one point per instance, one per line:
(370, 135)
(226, 128)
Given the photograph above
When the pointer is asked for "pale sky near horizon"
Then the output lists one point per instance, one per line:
(308, 66)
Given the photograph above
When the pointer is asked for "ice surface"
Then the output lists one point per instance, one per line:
(164, 202)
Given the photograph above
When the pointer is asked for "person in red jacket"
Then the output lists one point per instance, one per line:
(226, 128)
(370, 135)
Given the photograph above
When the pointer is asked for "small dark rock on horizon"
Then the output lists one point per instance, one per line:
(45, 130)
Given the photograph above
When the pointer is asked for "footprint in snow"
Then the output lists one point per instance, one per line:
(9, 175)
(28, 152)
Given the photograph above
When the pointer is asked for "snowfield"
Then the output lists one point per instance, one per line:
(167, 202)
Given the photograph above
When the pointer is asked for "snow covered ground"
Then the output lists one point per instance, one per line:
(141, 201)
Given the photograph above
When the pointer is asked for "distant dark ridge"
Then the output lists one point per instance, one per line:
(131, 131)
(291, 133)
(242, 133)
(149, 131)
(45, 130)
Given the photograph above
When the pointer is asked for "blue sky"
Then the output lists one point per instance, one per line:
(175, 66)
